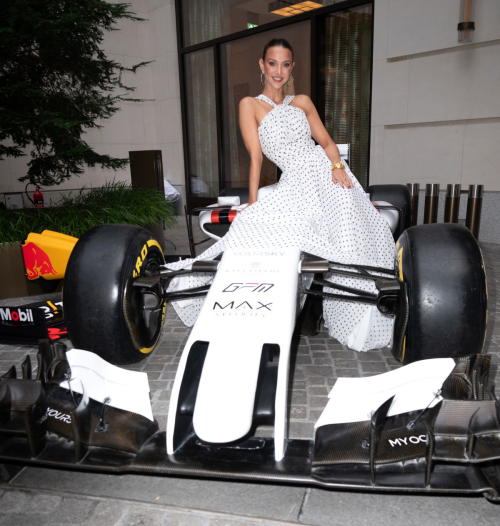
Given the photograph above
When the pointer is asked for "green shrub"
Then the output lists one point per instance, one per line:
(74, 214)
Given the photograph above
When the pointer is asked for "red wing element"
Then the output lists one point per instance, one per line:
(223, 216)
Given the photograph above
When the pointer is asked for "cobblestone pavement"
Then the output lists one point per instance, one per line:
(315, 365)
(26, 508)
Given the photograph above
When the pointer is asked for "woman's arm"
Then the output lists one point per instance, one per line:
(249, 132)
(322, 137)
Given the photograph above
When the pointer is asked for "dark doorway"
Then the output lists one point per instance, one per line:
(146, 169)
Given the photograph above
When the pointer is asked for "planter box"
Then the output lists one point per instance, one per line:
(13, 280)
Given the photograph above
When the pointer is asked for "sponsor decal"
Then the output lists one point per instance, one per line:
(405, 441)
(56, 333)
(36, 261)
(223, 216)
(142, 256)
(244, 308)
(256, 287)
(51, 309)
(140, 260)
(57, 415)
(16, 315)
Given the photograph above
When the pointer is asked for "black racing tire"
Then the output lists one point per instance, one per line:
(398, 195)
(443, 269)
(103, 312)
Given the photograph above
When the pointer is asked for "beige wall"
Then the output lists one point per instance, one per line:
(435, 103)
(155, 124)
(435, 110)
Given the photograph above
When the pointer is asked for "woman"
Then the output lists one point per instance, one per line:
(318, 205)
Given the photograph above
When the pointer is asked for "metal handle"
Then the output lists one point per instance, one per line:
(414, 194)
(431, 203)
(474, 205)
(452, 203)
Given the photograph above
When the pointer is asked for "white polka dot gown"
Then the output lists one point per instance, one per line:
(309, 211)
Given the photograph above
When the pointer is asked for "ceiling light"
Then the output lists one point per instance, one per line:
(293, 7)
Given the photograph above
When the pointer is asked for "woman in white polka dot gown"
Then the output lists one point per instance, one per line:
(322, 211)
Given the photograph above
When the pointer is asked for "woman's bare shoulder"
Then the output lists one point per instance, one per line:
(248, 102)
(303, 101)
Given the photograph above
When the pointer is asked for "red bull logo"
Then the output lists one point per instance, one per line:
(7, 314)
(36, 261)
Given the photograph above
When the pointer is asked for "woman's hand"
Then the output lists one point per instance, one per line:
(340, 176)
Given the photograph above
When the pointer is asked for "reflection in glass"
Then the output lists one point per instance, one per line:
(241, 78)
(344, 83)
(203, 166)
(204, 20)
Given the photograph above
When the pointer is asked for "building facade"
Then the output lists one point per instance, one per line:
(435, 103)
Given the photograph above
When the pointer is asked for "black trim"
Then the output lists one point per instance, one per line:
(314, 59)
(218, 113)
(371, 102)
(182, 92)
(462, 26)
(187, 393)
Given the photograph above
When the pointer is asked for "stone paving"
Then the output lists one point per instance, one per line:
(316, 363)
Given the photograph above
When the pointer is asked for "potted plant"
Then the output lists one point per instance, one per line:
(114, 202)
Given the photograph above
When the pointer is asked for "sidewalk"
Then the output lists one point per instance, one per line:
(43, 496)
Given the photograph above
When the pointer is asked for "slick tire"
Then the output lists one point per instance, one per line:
(443, 269)
(102, 310)
(398, 195)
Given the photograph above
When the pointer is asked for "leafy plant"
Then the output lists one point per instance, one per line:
(114, 202)
(56, 82)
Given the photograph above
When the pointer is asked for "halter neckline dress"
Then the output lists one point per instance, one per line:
(309, 211)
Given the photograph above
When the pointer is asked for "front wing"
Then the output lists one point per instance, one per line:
(453, 447)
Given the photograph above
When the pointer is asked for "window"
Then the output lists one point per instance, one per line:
(241, 78)
(345, 81)
(222, 44)
(203, 168)
(204, 20)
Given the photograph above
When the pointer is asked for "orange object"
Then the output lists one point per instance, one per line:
(46, 255)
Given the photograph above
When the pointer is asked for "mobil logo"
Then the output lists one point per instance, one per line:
(8, 314)
(36, 261)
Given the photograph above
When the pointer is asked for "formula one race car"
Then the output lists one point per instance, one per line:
(436, 292)
(233, 373)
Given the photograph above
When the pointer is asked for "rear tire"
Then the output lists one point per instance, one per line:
(443, 268)
(103, 312)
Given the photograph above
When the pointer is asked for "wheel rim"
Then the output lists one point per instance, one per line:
(144, 324)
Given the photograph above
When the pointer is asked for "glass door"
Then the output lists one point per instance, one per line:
(344, 82)
(201, 117)
(240, 74)
(333, 56)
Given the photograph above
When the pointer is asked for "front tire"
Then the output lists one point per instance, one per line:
(443, 268)
(103, 311)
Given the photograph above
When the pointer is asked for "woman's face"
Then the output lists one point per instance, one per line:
(277, 66)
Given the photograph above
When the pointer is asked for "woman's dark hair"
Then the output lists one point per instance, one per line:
(277, 42)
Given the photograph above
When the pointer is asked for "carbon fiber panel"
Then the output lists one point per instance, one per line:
(348, 443)
(381, 455)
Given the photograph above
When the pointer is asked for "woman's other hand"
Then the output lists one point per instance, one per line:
(340, 176)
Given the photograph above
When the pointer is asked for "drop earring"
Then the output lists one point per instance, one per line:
(291, 77)
(262, 78)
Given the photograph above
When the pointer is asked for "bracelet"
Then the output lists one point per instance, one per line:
(338, 164)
